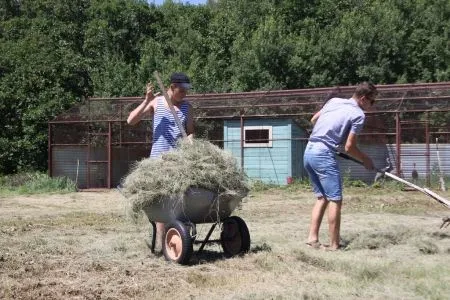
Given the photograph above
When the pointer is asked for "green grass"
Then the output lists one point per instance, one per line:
(28, 183)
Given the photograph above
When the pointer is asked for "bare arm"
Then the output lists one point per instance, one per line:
(353, 150)
(139, 112)
(315, 117)
(146, 107)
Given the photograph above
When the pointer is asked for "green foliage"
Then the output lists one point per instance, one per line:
(41, 74)
(34, 183)
(259, 186)
(56, 52)
(348, 182)
(354, 183)
(298, 184)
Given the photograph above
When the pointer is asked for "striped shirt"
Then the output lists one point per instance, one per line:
(165, 129)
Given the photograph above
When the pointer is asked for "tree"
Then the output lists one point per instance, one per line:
(41, 75)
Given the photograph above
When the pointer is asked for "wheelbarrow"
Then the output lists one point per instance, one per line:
(181, 215)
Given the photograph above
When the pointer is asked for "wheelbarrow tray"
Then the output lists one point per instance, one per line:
(197, 206)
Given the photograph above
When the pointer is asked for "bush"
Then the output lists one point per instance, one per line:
(298, 184)
(258, 186)
(354, 183)
(35, 183)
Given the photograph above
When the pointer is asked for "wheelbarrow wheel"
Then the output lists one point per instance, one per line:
(177, 246)
(235, 237)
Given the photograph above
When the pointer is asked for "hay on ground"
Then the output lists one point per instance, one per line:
(198, 164)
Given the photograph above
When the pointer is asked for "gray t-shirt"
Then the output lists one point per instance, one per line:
(337, 119)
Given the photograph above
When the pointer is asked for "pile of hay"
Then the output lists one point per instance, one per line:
(192, 164)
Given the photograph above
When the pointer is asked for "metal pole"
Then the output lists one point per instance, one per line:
(398, 141)
(207, 238)
(109, 155)
(120, 124)
(441, 175)
(88, 157)
(49, 162)
(242, 142)
(427, 153)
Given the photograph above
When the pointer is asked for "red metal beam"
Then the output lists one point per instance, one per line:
(398, 141)
(109, 155)
(309, 113)
(427, 153)
(295, 92)
(49, 147)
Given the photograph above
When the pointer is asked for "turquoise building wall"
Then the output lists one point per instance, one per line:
(270, 164)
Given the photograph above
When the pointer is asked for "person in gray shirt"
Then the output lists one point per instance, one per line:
(338, 123)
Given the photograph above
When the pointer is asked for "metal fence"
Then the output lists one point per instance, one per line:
(93, 145)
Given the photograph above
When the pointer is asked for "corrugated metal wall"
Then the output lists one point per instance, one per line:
(267, 164)
(124, 157)
(379, 155)
(417, 154)
(66, 160)
(410, 154)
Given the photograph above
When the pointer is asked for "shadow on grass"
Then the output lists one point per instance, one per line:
(211, 256)
(206, 256)
(440, 235)
(261, 248)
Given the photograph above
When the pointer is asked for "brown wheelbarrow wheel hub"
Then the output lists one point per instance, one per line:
(177, 246)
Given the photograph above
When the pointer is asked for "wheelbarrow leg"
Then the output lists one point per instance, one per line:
(207, 238)
(152, 245)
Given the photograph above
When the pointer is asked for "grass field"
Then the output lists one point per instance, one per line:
(82, 246)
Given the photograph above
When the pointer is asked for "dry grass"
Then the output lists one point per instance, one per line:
(194, 163)
(81, 246)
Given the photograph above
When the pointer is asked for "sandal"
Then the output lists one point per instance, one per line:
(314, 244)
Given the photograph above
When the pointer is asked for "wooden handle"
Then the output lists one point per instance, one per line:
(346, 156)
(169, 102)
(426, 191)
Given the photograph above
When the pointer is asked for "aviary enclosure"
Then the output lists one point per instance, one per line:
(408, 129)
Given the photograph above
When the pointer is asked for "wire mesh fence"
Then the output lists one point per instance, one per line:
(408, 127)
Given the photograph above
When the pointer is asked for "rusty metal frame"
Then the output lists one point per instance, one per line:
(210, 103)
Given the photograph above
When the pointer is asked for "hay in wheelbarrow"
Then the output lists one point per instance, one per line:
(198, 164)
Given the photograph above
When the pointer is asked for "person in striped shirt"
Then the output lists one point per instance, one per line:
(165, 129)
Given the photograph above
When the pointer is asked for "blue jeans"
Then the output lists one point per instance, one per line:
(323, 169)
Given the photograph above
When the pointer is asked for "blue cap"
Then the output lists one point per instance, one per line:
(181, 79)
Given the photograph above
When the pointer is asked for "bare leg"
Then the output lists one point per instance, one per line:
(160, 229)
(334, 223)
(316, 219)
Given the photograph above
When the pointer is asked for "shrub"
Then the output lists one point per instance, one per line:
(35, 183)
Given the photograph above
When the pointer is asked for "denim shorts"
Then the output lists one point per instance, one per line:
(323, 169)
